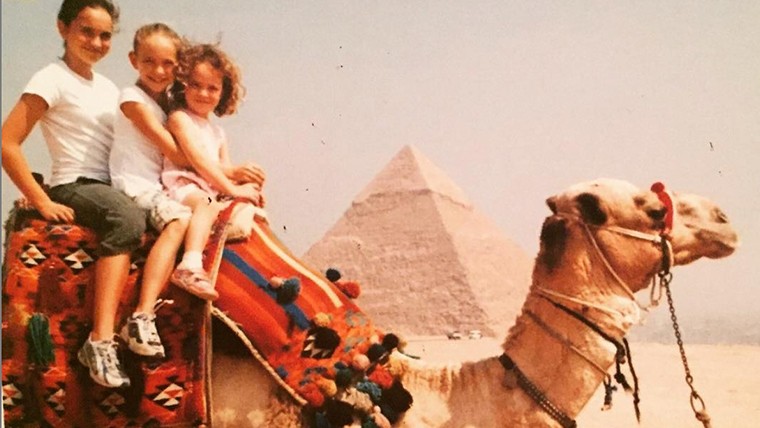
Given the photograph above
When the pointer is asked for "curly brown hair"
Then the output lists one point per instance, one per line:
(232, 90)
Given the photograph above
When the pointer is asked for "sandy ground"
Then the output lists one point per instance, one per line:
(724, 375)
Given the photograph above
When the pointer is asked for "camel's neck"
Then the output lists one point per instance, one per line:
(565, 358)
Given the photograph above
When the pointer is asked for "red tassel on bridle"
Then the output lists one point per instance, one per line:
(666, 198)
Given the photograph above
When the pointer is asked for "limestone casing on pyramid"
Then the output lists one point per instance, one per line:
(428, 262)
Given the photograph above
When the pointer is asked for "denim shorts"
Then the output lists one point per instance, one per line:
(117, 221)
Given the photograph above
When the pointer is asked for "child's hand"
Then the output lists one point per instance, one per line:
(52, 211)
(248, 191)
(248, 173)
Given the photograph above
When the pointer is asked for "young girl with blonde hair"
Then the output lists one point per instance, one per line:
(140, 143)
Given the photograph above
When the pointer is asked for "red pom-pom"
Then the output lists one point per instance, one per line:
(657, 187)
(349, 288)
(312, 394)
(381, 377)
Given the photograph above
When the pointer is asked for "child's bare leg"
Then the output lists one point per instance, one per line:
(111, 274)
(160, 263)
(190, 274)
(205, 212)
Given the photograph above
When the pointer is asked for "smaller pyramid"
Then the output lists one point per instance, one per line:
(428, 262)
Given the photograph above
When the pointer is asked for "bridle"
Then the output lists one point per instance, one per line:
(559, 300)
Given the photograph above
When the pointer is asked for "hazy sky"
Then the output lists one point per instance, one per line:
(515, 101)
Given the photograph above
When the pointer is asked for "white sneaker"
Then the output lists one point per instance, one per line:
(141, 336)
(103, 361)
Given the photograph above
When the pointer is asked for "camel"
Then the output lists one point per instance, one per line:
(599, 246)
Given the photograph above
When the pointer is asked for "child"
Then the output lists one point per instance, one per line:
(76, 109)
(208, 82)
(136, 160)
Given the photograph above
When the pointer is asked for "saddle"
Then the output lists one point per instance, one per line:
(299, 323)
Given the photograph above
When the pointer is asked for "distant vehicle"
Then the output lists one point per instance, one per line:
(475, 334)
(454, 335)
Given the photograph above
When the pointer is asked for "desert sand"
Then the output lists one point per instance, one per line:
(724, 375)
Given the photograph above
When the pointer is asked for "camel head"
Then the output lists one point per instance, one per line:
(699, 227)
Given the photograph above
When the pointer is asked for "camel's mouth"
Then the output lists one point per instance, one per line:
(720, 248)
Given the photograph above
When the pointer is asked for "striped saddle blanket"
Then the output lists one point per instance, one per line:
(303, 327)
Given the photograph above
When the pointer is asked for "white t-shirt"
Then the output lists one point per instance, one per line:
(78, 125)
(136, 162)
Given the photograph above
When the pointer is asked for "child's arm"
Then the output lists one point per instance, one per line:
(248, 173)
(148, 125)
(185, 131)
(17, 126)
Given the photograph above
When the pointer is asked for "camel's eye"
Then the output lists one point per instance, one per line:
(719, 216)
(657, 214)
(685, 209)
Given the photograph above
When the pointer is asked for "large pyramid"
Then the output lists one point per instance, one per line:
(428, 262)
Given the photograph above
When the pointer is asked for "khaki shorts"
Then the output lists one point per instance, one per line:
(162, 209)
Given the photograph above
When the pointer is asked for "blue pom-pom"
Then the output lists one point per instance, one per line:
(289, 290)
(281, 372)
(371, 388)
(333, 274)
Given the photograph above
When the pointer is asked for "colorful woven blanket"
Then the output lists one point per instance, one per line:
(307, 332)
(302, 326)
(47, 304)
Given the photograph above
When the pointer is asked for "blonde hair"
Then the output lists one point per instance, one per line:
(147, 30)
(232, 89)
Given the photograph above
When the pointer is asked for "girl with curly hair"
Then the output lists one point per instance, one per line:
(207, 82)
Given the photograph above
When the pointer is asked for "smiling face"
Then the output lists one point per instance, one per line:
(87, 39)
(155, 60)
(203, 89)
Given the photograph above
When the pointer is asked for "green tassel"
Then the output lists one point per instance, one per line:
(39, 340)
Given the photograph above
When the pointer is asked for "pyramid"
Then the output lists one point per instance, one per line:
(428, 262)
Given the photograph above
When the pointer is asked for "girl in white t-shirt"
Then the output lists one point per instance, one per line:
(76, 107)
(208, 82)
(140, 143)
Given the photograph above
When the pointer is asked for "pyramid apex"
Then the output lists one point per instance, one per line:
(411, 171)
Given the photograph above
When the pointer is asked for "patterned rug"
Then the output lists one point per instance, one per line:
(47, 297)
(303, 328)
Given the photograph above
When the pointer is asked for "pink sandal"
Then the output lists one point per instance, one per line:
(195, 282)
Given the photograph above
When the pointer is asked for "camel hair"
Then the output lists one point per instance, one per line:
(584, 264)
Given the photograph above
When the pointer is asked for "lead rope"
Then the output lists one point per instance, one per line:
(622, 354)
(696, 401)
(533, 392)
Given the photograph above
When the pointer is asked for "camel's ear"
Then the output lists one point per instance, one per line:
(553, 238)
(590, 209)
(551, 202)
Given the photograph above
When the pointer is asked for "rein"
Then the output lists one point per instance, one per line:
(533, 392)
(622, 347)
